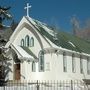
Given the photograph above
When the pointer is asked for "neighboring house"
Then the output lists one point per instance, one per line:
(36, 52)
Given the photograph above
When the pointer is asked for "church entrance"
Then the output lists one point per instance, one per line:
(17, 71)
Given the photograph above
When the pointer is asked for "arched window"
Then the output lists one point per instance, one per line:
(33, 67)
(64, 62)
(22, 42)
(27, 41)
(32, 42)
(73, 63)
(41, 61)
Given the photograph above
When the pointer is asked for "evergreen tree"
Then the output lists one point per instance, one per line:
(4, 67)
(4, 15)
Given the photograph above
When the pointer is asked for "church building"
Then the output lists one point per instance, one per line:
(37, 51)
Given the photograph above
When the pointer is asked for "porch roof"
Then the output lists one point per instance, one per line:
(22, 53)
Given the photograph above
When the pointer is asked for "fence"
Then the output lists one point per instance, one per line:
(44, 85)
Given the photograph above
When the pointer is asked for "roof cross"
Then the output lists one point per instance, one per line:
(27, 8)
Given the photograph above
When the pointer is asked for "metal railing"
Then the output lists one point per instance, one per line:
(44, 85)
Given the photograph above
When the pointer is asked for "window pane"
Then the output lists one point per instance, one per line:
(33, 67)
(88, 66)
(64, 63)
(73, 63)
(32, 41)
(41, 61)
(22, 42)
(27, 41)
(81, 65)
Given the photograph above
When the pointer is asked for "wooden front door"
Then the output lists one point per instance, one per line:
(17, 71)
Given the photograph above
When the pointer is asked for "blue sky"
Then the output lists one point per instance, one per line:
(52, 12)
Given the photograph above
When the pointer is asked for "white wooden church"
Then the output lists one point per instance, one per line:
(38, 52)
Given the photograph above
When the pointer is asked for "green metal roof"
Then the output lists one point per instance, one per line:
(29, 51)
(64, 40)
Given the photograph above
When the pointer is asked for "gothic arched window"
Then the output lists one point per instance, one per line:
(41, 61)
(27, 41)
(22, 42)
(32, 41)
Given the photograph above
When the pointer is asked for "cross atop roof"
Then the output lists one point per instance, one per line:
(27, 8)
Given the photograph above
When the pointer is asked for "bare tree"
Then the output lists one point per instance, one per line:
(75, 25)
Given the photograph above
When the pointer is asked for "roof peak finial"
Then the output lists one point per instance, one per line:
(27, 8)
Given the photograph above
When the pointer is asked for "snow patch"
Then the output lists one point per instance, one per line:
(71, 43)
(44, 26)
(37, 23)
(31, 20)
(9, 15)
